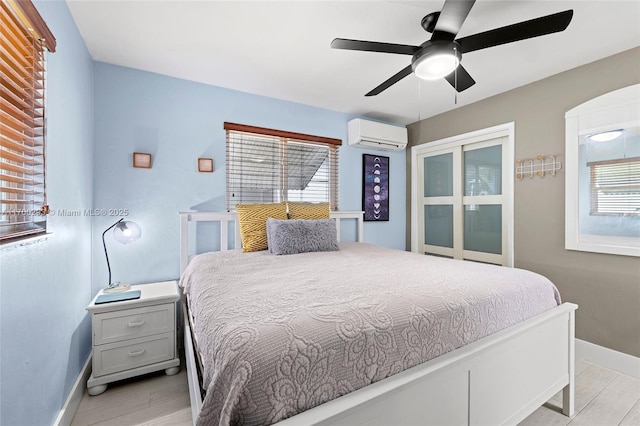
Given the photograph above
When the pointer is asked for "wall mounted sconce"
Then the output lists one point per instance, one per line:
(141, 160)
(205, 165)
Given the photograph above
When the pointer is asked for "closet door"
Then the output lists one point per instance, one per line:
(461, 208)
(440, 177)
(483, 207)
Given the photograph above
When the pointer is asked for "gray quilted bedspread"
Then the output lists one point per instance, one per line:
(278, 335)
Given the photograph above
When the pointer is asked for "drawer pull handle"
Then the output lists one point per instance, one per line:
(136, 353)
(136, 324)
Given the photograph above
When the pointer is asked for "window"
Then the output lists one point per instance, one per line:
(615, 187)
(267, 166)
(602, 210)
(23, 201)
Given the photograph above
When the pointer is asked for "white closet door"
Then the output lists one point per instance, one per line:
(484, 230)
(462, 206)
(439, 179)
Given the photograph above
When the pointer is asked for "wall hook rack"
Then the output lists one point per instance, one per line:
(538, 166)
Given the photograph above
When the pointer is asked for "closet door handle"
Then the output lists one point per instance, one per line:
(136, 324)
(136, 353)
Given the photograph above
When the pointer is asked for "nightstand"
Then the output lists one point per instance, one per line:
(134, 337)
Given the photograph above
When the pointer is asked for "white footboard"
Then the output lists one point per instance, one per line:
(498, 380)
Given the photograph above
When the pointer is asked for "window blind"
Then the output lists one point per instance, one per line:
(267, 165)
(23, 201)
(615, 187)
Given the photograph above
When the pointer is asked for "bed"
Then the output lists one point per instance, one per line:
(268, 342)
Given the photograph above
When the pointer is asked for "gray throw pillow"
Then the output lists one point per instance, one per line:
(301, 235)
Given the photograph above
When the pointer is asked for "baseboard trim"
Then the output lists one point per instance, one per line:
(65, 416)
(619, 361)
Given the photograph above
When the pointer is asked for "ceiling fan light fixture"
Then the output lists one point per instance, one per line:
(434, 67)
(606, 136)
(436, 60)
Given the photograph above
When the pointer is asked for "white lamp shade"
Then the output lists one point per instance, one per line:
(126, 232)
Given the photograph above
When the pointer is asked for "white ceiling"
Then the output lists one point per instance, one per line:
(281, 49)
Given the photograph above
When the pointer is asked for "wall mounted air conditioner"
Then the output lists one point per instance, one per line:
(374, 135)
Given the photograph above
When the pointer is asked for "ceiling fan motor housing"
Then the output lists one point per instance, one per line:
(436, 59)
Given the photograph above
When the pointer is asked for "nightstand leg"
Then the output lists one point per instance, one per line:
(97, 390)
(172, 371)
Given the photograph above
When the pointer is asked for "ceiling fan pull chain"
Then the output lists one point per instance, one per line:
(419, 98)
(455, 79)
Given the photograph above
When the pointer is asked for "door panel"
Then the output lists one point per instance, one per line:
(483, 171)
(483, 228)
(438, 225)
(438, 175)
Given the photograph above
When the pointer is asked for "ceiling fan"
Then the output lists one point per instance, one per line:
(440, 56)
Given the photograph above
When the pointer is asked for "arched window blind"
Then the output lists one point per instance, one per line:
(23, 200)
(267, 166)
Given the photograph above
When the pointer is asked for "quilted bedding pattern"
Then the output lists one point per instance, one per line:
(278, 335)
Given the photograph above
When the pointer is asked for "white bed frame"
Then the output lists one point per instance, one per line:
(497, 380)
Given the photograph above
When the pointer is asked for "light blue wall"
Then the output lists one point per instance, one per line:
(45, 287)
(178, 121)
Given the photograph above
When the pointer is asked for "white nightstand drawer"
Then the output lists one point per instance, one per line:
(115, 357)
(128, 324)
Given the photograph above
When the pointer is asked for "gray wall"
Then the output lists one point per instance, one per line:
(606, 287)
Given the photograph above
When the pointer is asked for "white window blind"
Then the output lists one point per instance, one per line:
(615, 187)
(267, 166)
(23, 201)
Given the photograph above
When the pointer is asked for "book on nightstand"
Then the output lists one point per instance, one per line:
(117, 297)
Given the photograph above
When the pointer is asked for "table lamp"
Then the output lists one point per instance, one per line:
(124, 232)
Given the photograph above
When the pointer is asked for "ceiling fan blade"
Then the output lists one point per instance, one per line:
(521, 31)
(451, 18)
(391, 81)
(462, 81)
(373, 46)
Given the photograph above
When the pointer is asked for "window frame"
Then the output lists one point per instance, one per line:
(619, 109)
(283, 139)
(23, 202)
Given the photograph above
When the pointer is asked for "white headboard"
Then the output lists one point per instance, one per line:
(224, 218)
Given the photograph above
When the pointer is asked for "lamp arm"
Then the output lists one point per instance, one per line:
(105, 248)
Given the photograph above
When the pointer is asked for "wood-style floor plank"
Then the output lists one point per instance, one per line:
(179, 418)
(547, 415)
(589, 383)
(612, 405)
(633, 417)
(136, 400)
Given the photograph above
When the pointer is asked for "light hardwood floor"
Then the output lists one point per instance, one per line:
(603, 398)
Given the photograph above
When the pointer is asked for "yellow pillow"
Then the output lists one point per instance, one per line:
(308, 210)
(253, 223)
